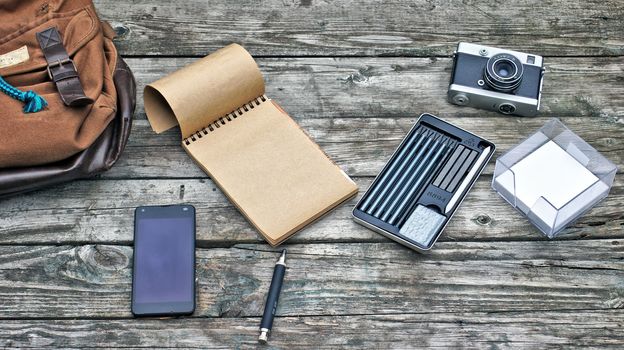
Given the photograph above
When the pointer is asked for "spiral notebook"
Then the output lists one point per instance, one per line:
(255, 152)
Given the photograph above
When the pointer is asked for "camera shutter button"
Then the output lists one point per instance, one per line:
(461, 99)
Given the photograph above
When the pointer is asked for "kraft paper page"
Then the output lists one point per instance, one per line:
(261, 159)
(272, 171)
(203, 91)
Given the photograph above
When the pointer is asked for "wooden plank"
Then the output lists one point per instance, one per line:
(360, 146)
(327, 279)
(513, 330)
(375, 87)
(103, 211)
(380, 99)
(414, 28)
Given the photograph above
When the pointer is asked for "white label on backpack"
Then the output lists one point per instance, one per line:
(14, 57)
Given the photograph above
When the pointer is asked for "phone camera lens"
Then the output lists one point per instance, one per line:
(503, 72)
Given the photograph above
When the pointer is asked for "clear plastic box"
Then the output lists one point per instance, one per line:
(553, 177)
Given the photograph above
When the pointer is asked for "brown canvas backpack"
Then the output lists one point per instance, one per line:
(66, 97)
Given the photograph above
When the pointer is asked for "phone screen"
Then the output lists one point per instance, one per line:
(164, 260)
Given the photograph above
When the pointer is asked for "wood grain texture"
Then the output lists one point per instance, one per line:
(103, 211)
(360, 146)
(358, 109)
(327, 279)
(373, 87)
(355, 75)
(505, 330)
(365, 27)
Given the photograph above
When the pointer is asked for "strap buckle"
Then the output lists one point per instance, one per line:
(60, 63)
(61, 69)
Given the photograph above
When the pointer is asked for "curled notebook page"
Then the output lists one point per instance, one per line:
(203, 91)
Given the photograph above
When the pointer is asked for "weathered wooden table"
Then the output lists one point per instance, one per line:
(355, 75)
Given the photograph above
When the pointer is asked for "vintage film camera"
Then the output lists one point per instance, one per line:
(506, 81)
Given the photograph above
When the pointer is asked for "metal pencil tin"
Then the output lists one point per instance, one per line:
(426, 195)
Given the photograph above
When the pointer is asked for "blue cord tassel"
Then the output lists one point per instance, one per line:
(33, 102)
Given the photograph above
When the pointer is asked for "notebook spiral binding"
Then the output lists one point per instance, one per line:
(225, 119)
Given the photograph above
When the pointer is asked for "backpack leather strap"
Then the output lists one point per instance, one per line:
(61, 69)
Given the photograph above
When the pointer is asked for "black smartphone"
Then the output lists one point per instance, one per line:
(163, 274)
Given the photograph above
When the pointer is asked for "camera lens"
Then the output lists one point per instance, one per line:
(504, 69)
(503, 72)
